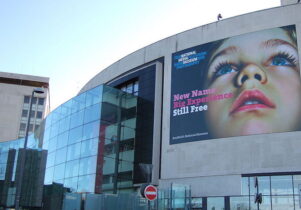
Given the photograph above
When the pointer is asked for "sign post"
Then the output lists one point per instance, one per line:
(150, 192)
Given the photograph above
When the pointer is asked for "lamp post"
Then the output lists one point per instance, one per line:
(22, 157)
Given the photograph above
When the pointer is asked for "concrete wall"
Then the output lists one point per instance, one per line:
(11, 103)
(214, 167)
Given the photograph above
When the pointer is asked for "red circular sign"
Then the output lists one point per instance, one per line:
(150, 192)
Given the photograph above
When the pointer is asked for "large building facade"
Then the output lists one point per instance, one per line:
(216, 107)
(15, 91)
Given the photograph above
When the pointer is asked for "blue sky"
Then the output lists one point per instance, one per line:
(70, 41)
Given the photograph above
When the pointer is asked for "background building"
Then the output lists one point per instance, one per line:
(15, 92)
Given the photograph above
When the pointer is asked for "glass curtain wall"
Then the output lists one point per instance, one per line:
(80, 137)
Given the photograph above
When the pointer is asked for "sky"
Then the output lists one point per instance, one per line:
(70, 41)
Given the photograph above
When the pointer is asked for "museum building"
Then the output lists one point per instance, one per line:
(216, 107)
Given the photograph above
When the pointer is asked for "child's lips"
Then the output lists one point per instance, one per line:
(250, 100)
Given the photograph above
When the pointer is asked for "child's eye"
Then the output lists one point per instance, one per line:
(225, 68)
(283, 59)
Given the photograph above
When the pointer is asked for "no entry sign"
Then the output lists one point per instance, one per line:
(150, 192)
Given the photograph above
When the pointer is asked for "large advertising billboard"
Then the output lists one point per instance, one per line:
(241, 85)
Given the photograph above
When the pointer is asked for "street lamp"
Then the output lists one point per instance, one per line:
(22, 161)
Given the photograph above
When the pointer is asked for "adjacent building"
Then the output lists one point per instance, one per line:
(15, 92)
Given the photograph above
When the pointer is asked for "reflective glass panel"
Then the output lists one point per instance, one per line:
(50, 159)
(76, 119)
(66, 109)
(265, 205)
(62, 140)
(64, 124)
(78, 103)
(92, 113)
(49, 175)
(216, 203)
(86, 183)
(73, 151)
(109, 164)
(297, 202)
(89, 147)
(91, 130)
(264, 185)
(282, 185)
(282, 202)
(54, 130)
(75, 135)
(239, 203)
(72, 168)
(59, 172)
(52, 144)
(71, 183)
(93, 96)
(127, 133)
(297, 182)
(60, 156)
(110, 132)
(87, 165)
(245, 185)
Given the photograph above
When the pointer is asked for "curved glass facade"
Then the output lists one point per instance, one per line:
(81, 137)
(84, 138)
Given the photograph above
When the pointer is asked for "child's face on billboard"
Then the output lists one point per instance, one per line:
(262, 71)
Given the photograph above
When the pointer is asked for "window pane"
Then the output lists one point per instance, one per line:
(297, 202)
(59, 171)
(93, 96)
(136, 87)
(52, 144)
(265, 205)
(41, 101)
(245, 185)
(282, 185)
(64, 124)
(129, 88)
(89, 147)
(91, 130)
(216, 203)
(30, 127)
(26, 99)
(297, 182)
(76, 119)
(72, 168)
(71, 183)
(62, 140)
(78, 103)
(50, 159)
(239, 203)
(22, 126)
(86, 183)
(32, 114)
(282, 202)
(49, 175)
(39, 114)
(75, 135)
(264, 185)
(34, 100)
(60, 156)
(54, 130)
(87, 165)
(92, 113)
(73, 152)
(24, 113)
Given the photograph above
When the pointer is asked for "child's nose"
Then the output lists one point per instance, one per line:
(251, 73)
